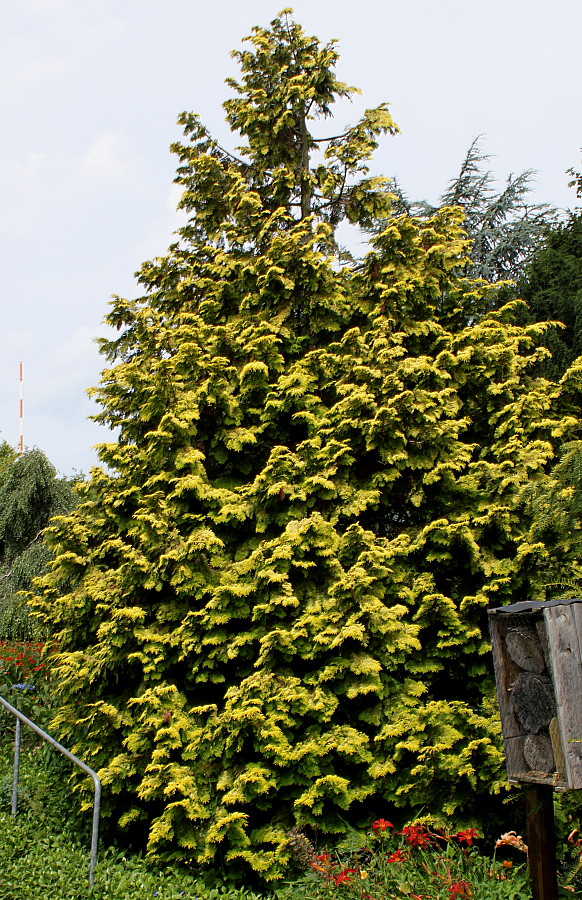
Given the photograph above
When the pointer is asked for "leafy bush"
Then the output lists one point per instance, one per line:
(21, 663)
(24, 682)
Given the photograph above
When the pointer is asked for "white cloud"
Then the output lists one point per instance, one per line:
(34, 184)
(31, 75)
(20, 181)
(107, 160)
(52, 7)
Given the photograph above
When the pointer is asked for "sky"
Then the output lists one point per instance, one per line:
(89, 97)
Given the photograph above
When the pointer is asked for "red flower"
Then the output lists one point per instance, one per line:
(344, 876)
(460, 889)
(467, 836)
(396, 857)
(416, 836)
(381, 825)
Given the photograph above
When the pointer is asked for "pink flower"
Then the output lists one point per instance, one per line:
(511, 839)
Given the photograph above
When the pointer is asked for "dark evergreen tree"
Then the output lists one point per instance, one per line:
(552, 288)
(554, 505)
(271, 604)
(504, 227)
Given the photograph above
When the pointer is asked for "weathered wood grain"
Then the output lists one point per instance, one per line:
(541, 840)
(563, 629)
(525, 650)
(538, 754)
(543, 639)
(504, 675)
(557, 747)
(532, 701)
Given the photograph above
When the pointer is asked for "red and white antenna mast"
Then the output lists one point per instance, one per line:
(21, 405)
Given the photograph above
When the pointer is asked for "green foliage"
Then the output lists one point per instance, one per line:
(552, 288)
(7, 457)
(38, 862)
(576, 181)
(24, 683)
(555, 509)
(270, 607)
(30, 494)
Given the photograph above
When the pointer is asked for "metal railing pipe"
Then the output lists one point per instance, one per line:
(20, 717)
(16, 767)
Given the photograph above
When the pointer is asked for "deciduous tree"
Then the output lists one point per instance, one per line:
(30, 494)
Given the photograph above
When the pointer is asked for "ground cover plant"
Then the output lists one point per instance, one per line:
(44, 850)
(270, 603)
(37, 862)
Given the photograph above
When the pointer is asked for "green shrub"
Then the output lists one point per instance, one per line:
(270, 604)
(24, 683)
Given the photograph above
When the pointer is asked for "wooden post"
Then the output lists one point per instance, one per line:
(541, 841)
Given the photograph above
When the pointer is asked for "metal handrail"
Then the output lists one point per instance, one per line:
(20, 717)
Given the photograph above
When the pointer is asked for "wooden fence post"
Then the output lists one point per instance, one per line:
(541, 841)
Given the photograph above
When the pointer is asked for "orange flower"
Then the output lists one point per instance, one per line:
(322, 862)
